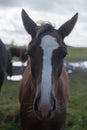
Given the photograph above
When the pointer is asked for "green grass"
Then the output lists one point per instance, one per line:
(76, 53)
(9, 106)
(76, 111)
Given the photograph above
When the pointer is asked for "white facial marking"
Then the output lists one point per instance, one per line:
(48, 44)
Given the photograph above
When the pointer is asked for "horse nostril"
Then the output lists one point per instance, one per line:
(53, 102)
(44, 109)
(36, 103)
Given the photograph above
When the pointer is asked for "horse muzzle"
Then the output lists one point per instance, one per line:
(44, 109)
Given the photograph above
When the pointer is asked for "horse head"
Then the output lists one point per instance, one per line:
(47, 76)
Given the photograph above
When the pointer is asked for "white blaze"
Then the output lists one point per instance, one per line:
(48, 44)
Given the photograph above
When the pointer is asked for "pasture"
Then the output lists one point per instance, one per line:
(76, 54)
(77, 108)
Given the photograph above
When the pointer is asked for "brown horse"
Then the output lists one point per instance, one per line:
(44, 91)
(5, 63)
(21, 53)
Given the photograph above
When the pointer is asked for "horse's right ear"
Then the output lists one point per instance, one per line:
(28, 23)
(68, 26)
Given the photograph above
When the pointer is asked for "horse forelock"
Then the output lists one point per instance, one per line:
(44, 28)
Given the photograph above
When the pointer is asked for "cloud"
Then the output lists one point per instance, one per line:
(55, 11)
(46, 5)
(10, 3)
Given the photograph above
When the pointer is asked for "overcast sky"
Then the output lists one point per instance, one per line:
(55, 11)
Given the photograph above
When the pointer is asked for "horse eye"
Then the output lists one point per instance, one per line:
(62, 54)
(30, 54)
(31, 50)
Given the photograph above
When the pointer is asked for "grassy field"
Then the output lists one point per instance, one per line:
(76, 112)
(9, 106)
(77, 108)
(76, 54)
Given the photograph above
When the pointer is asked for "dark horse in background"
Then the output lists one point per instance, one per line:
(5, 63)
(21, 53)
(44, 91)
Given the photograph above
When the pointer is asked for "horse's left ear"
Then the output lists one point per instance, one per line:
(67, 27)
(28, 23)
